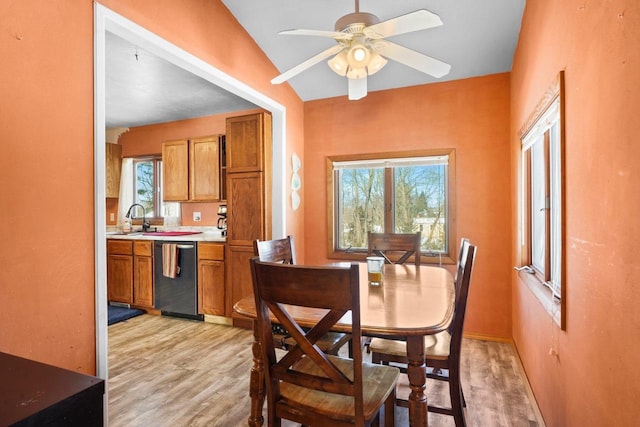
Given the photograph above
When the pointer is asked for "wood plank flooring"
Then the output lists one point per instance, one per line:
(166, 371)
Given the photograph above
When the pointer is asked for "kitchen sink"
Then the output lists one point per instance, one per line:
(171, 233)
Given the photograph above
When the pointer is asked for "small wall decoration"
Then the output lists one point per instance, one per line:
(296, 183)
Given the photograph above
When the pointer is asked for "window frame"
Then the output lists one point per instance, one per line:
(157, 192)
(544, 278)
(450, 257)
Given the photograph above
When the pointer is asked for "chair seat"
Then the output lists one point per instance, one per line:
(330, 342)
(378, 383)
(436, 347)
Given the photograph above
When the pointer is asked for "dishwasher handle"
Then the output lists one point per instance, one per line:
(186, 246)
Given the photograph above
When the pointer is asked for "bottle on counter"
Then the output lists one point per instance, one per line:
(126, 225)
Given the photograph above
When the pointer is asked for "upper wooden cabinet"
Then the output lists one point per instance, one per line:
(113, 166)
(191, 169)
(248, 143)
(204, 169)
(175, 170)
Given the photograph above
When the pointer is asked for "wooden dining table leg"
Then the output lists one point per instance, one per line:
(256, 385)
(416, 373)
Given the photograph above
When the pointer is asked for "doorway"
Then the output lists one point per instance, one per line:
(105, 20)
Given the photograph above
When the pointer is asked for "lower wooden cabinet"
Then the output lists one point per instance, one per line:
(240, 282)
(211, 283)
(120, 271)
(130, 272)
(143, 273)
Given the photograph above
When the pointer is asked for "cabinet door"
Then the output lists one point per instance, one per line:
(143, 281)
(245, 208)
(119, 278)
(204, 169)
(240, 283)
(211, 287)
(113, 166)
(175, 170)
(248, 142)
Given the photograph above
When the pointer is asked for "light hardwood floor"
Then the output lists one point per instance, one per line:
(165, 371)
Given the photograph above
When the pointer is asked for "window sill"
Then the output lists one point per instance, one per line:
(551, 305)
(361, 256)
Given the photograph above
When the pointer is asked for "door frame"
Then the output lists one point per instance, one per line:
(106, 20)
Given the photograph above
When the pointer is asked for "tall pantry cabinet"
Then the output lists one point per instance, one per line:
(248, 175)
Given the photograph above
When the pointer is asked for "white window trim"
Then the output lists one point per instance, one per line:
(549, 112)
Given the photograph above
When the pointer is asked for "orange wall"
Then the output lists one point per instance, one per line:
(595, 379)
(471, 116)
(47, 198)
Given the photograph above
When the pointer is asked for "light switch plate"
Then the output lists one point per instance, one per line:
(197, 216)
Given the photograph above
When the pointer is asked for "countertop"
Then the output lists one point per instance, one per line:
(205, 234)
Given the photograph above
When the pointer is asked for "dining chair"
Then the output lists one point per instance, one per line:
(442, 351)
(395, 248)
(307, 385)
(283, 251)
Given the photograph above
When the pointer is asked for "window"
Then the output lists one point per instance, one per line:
(391, 193)
(147, 185)
(541, 196)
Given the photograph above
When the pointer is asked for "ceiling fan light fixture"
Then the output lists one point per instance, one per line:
(375, 63)
(357, 73)
(358, 55)
(339, 64)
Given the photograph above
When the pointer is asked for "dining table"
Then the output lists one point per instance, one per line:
(410, 303)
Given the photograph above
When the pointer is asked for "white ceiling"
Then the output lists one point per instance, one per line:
(143, 89)
(477, 38)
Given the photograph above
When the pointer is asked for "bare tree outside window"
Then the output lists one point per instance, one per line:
(392, 195)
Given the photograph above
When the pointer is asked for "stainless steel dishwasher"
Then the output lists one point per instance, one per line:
(177, 296)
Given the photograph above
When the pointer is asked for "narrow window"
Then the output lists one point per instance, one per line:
(147, 185)
(542, 202)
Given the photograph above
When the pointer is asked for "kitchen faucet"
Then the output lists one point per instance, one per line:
(145, 224)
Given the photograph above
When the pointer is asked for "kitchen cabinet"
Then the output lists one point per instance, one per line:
(175, 170)
(143, 273)
(130, 272)
(245, 208)
(191, 169)
(211, 283)
(239, 280)
(120, 271)
(249, 143)
(248, 192)
(113, 167)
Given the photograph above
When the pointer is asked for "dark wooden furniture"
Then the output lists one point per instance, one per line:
(307, 385)
(36, 394)
(395, 248)
(413, 302)
(283, 251)
(442, 351)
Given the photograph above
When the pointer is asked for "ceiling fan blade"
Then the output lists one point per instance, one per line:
(357, 88)
(414, 21)
(306, 64)
(413, 59)
(333, 34)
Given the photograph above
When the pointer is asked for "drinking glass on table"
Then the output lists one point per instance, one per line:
(374, 269)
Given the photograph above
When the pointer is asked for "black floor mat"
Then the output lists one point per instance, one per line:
(119, 314)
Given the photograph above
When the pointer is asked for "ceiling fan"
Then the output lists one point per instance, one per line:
(362, 49)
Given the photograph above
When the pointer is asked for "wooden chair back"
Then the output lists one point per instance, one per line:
(277, 287)
(277, 250)
(462, 283)
(404, 244)
(462, 253)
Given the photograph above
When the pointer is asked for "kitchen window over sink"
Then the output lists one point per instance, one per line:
(141, 183)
